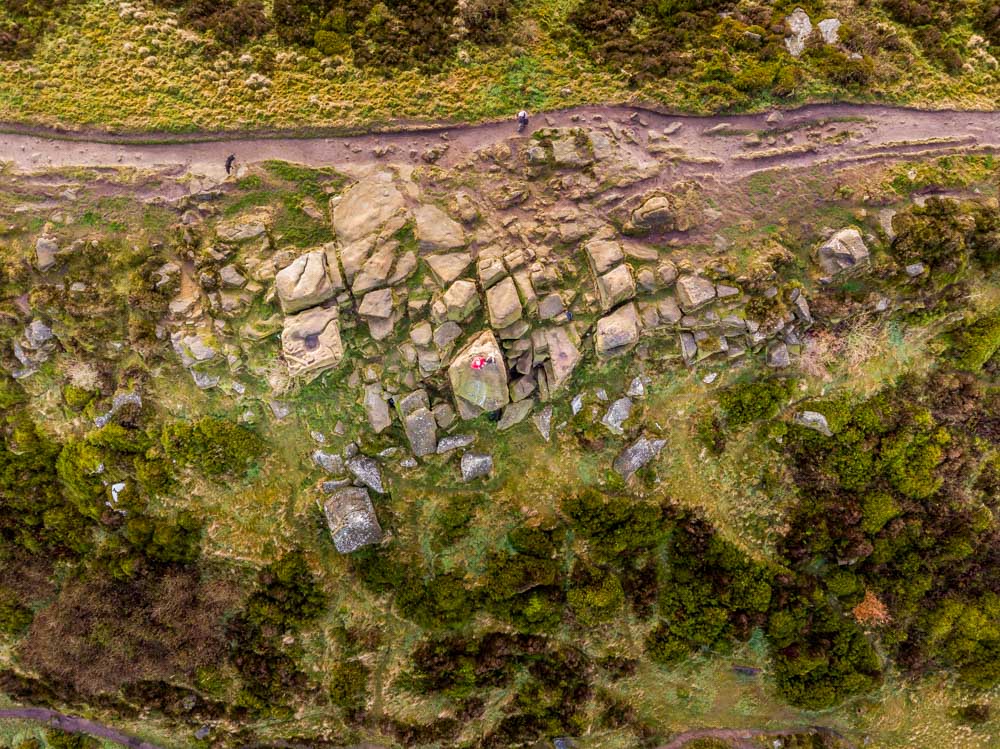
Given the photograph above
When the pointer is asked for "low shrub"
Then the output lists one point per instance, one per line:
(747, 402)
(214, 446)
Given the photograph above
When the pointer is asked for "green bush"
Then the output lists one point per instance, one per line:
(76, 397)
(747, 402)
(214, 446)
(976, 343)
(596, 596)
(613, 524)
(349, 685)
(936, 234)
(14, 618)
(57, 739)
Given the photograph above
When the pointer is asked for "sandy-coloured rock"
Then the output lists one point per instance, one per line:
(694, 292)
(479, 377)
(376, 408)
(448, 267)
(564, 355)
(436, 230)
(376, 269)
(618, 332)
(367, 206)
(461, 300)
(352, 520)
(305, 283)
(377, 304)
(310, 342)
(603, 255)
(615, 287)
(242, 228)
(843, 251)
(45, 252)
(504, 304)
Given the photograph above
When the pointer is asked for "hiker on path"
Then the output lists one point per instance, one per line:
(522, 121)
(229, 163)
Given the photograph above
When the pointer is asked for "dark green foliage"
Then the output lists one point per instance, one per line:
(975, 713)
(614, 525)
(232, 22)
(24, 24)
(57, 739)
(975, 343)
(287, 596)
(937, 235)
(349, 685)
(440, 601)
(746, 402)
(77, 398)
(595, 595)
(213, 446)
(391, 34)
(452, 520)
(710, 592)
(820, 656)
(14, 617)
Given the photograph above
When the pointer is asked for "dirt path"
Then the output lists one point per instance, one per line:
(742, 738)
(831, 134)
(68, 723)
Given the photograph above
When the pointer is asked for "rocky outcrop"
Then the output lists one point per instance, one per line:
(800, 28)
(694, 292)
(844, 251)
(367, 206)
(436, 230)
(310, 342)
(504, 304)
(351, 519)
(618, 332)
(478, 377)
(304, 283)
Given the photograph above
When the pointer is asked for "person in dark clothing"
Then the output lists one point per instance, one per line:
(522, 121)
(229, 163)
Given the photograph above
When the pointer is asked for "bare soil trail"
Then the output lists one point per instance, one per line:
(723, 147)
(71, 724)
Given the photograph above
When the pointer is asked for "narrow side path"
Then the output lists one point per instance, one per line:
(71, 724)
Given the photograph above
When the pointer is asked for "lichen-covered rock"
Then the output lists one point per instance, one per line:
(366, 471)
(603, 254)
(421, 431)
(618, 332)
(799, 30)
(352, 520)
(310, 342)
(478, 377)
(436, 230)
(637, 455)
(304, 283)
(514, 413)
(843, 251)
(376, 408)
(564, 355)
(504, 304)
(694, 292)
(449, 266)
(476, 465)
(367, 206)
(615, 286)
(461, 300)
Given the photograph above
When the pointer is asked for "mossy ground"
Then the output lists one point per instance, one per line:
(257, 516)
(89, 69)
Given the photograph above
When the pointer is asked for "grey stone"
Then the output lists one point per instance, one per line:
(689, 347)
(522, 387)
(449, 267)
(231, 277)
(725, 292)
(490, 271)
(37, 334)
(444, 414)
(374, 273)
(436, 230)
(45, 252)
(636, 388)
(603, 255)
(667, 272)
(476, 465)
(366, 207)
(843, 251)
(576, 404)
(421, 334)
(915, 269)
(329, 462)
(543, 422)
(829, 28)
(366, 471)
(636, 455)
(669, 311)
(563, 358)
(777, 356)
(421, 431)
(800, 29)
(454, 442)
(461, 300)
(815, 421)
(617, 415)
(550, 306)
(515, 413)
(352, 520)
(446, 334)
(411, 402)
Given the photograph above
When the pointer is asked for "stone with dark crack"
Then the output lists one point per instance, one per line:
(352, 520)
